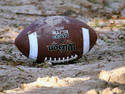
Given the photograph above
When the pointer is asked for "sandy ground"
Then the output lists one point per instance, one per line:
(101, 71)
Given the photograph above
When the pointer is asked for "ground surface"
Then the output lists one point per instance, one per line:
(101, 71)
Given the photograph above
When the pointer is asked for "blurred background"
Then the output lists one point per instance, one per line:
(23, 12)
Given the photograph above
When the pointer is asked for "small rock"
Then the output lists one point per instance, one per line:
(107, 91)
(104, 75)
(117, 91)
(92, 91)
(116, 75)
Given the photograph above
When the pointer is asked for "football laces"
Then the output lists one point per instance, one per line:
(61, 60)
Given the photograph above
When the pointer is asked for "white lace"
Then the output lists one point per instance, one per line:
(59, 60)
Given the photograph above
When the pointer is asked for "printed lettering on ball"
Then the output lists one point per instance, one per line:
(62, 47)
(58, 34)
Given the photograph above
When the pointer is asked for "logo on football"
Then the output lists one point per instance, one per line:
(56, 39)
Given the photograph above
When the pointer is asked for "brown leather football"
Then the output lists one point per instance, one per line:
(56, 39)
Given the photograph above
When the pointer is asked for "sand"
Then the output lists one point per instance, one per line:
(100, 71)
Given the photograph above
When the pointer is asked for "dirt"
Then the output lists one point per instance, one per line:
(100, 71)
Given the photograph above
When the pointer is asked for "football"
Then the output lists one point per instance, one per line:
(56, 39)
